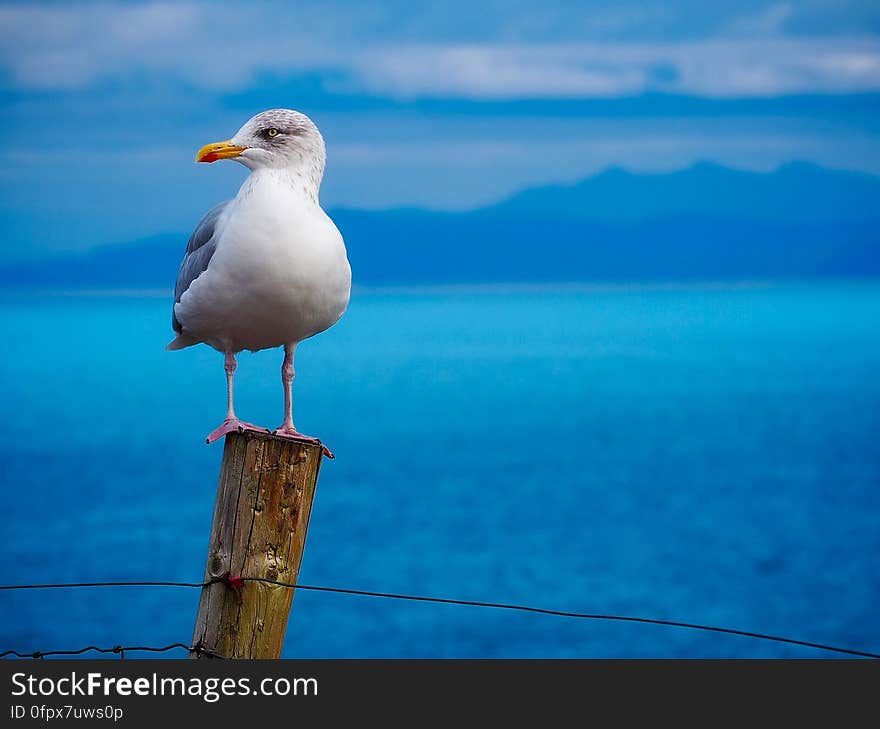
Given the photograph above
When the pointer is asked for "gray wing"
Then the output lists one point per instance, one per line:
(199, 250)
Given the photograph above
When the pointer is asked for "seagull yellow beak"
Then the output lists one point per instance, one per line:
(219, 150)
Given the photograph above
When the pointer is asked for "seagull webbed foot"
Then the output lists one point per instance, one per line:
(288, 431)
(233, 425)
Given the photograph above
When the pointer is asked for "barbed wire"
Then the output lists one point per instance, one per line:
(236, 583)
(121, 650)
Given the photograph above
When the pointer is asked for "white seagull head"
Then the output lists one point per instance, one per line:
(279, 138)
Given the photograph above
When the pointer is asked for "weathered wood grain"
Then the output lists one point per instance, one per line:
(261, 516)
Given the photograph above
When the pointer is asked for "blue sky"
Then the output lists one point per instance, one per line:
(449, 105)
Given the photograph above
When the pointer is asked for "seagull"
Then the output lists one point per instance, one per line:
(269, 267)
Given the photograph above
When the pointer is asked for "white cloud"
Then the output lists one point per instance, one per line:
(74, 46)
(217, 48)
(70, 47)
(768, 21)
(715, 68)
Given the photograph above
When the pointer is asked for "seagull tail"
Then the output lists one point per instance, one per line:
(181, 341)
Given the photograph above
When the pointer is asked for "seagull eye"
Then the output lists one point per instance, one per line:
(272, 132)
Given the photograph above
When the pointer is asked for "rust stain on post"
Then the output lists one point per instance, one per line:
(264, 500)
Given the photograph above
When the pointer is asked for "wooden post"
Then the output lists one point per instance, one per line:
(261, 516)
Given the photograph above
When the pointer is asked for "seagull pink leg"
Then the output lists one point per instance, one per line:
(232, 423)
(287, 428)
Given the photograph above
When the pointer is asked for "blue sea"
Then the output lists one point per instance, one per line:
(704, 454)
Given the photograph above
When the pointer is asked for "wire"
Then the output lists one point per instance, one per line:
(121, 650)
(141, 583)
(567, 614)
(233, 582)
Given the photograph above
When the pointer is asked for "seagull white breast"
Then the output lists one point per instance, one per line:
(278, 275)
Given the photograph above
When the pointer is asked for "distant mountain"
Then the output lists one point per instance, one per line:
(798, 192)
(706, 222)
